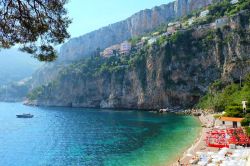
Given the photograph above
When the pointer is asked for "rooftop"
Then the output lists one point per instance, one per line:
(231, 119)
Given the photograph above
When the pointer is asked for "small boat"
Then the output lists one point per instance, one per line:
(25, 116)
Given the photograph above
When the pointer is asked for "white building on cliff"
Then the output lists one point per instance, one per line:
(221, 22)
(110, 51)
(125, 47)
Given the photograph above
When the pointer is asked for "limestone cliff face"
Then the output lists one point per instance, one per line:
(46, 74)
(138, 24)
(175, 73)
(77, 48)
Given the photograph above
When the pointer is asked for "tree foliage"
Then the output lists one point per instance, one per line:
(222, 97)
(36, 25)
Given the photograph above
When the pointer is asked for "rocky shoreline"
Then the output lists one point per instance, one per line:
(175, 110)
(192, 111)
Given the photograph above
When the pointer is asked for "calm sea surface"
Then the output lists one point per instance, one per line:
(79, 137)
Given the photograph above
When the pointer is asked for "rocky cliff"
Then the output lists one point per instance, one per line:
(175, 71)
(138, 24)
(83, 46)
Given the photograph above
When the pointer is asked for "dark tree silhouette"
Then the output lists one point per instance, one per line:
(36, 25)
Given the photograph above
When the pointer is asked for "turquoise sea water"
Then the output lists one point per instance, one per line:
(79, 137)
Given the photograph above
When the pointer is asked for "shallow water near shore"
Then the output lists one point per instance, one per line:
(79, 136)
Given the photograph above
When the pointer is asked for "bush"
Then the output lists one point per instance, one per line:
(247, 116)
(245, 122)
(234, 111)
(217, 85)
(218, 9)
(247, 80)
(161, 40)
(223, 97)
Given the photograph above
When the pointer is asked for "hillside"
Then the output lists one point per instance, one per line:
(172, 66)
(225, 96)
(174, 71)
(138, 24)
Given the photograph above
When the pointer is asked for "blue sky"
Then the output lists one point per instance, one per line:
(89, 15)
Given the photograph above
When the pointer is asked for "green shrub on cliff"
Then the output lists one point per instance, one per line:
(161, 40)
(223, 97)
(246, 120)
(218, 9)
(241, 5)
(233, 111)
(35, 93)
(225, 8)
